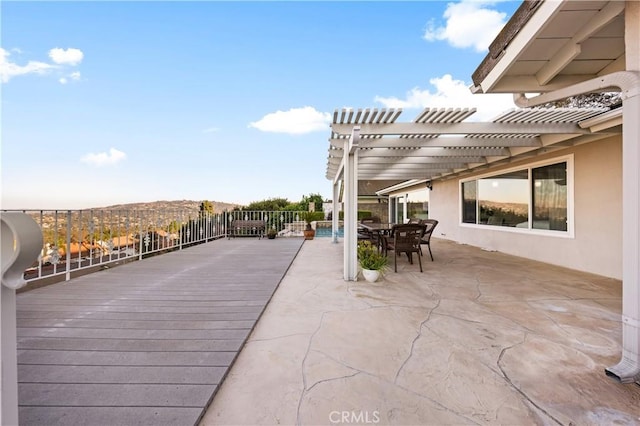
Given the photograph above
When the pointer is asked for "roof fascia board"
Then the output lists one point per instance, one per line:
(520, 42)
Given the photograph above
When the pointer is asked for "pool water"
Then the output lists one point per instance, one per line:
(326, 232)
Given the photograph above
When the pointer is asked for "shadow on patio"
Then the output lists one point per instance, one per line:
(479, 337)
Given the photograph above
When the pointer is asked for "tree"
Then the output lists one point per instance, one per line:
(282, 204)
(206, 208)
(271, 204)
(312, 198)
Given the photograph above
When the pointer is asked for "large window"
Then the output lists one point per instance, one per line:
(528, 198)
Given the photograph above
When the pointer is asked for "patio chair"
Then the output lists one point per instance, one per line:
(405, 239)
(430, 225)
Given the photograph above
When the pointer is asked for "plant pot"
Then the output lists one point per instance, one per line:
(309, 234)
(371, 275)
(271, 236)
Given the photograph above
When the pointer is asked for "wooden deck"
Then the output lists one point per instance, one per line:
(147, 342)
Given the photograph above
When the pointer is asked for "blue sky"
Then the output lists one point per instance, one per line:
(115, 102)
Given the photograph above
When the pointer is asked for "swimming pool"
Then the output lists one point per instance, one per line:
(323, 229)
(326, 232)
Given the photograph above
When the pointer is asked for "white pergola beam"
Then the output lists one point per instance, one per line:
(441, 142)
(410, 161)
(429, 152)
(473, 128)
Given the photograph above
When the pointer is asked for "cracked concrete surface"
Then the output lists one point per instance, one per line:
(478, 338)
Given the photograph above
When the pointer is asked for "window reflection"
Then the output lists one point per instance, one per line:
(504, 200)
(550, 197)
(469, 202)
(418, 204)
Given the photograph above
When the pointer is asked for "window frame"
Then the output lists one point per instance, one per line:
(569, 233)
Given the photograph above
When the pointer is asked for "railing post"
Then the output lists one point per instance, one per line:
(140, 235)
(67, 275)
(21, 242)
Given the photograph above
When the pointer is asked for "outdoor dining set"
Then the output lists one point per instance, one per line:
(407, 238)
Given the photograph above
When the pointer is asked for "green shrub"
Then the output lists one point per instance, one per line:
(311, 216)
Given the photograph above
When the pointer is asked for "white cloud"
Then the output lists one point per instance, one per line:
(10, 69)
(296, 121)
(468, 24)
(70, 56)
(104, 159)
(450, 93)
(73, 76)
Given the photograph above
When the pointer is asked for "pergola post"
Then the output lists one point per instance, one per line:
(351, 205)
(628, 369)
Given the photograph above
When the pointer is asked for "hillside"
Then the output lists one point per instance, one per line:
(190, 205)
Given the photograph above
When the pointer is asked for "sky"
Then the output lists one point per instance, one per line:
(106, 103)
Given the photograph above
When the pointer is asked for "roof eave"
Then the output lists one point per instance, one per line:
(527, 21)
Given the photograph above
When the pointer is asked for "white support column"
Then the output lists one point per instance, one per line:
(351, 206)
(21, 242)
(335, 216)
(628, 369)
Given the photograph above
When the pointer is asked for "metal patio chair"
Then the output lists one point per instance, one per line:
(430, 225)
(406, 239)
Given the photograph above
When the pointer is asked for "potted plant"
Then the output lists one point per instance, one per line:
(271, 233)
(372, 262)
(309, 217)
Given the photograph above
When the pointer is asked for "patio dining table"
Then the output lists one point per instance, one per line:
(379, 231)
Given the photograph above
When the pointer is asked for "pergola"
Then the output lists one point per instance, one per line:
(438, 144)
(558, 49)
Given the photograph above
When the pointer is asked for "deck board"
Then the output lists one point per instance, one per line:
(147, 342)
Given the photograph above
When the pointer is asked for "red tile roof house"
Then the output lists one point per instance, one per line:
(560, 186)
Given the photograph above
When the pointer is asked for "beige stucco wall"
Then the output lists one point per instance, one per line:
(597, 243)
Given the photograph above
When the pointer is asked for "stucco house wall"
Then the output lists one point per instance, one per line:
(596, 245)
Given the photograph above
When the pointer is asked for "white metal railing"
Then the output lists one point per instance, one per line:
(285, 223)
(63, 241)
(83, 239)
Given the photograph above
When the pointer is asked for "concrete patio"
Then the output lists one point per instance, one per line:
(478, 338)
